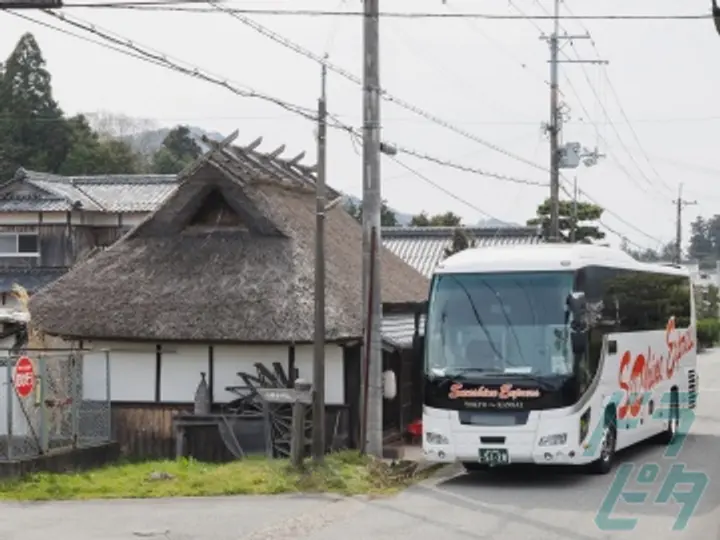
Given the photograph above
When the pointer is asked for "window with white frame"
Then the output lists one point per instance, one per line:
(19, 245)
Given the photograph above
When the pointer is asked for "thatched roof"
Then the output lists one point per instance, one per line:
(228, 257)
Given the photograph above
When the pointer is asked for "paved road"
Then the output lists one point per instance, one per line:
(535, 503)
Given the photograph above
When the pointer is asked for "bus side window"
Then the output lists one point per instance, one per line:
(597, 289)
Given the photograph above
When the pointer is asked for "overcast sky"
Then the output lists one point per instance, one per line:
(486, 77)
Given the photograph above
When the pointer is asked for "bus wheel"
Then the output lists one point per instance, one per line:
(668, 436)
(604, 463)
(471, 467)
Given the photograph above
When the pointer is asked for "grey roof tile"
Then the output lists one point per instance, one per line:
(32, 279)
(109, 193)
(398, 330)
(33, 204)
(424, 247)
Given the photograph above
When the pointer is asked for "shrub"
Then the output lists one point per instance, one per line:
(708, 333)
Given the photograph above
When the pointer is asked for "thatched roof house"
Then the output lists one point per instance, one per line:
(228, 257)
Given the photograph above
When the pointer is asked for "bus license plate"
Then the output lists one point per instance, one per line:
(494, 456)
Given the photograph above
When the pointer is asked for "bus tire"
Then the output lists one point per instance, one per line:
(667, 437)
(604, 464)
(471, 467)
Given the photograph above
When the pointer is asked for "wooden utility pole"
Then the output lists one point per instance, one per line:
(680, 204)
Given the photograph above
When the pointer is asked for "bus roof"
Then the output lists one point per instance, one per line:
(546, 257)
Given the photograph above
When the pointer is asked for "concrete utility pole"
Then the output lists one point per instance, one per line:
(318, 411)
(372, 202)
(573, 231)
(554, 127)
(680, 204)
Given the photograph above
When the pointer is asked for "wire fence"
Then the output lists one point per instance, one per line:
(52, 401)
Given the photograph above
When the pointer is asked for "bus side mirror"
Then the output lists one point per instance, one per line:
(576, 304)
(578, 341)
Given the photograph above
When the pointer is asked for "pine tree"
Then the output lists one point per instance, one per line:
(460, 242)
(33, 133)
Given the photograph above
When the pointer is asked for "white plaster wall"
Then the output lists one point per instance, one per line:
(334, 370)
(96, 366)
(180, 371)
(231, 359)
(132, 370)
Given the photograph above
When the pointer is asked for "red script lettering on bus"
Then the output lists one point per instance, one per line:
(640, 373)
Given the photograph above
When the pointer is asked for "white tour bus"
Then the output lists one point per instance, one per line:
(557, 354)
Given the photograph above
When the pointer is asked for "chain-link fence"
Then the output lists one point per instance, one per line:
(52, 401)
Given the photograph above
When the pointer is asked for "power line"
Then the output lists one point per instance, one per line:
(285, 42)
(503, 48)
(447, 192)
(160, 59)
(356, 139)
(465, 168)
(167, 6)
(562, 177)
(620, 106)
(164, 61)
(601, 137)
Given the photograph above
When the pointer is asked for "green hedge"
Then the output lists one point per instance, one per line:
(708, 333)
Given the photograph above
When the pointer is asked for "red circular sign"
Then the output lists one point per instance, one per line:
(24, 380)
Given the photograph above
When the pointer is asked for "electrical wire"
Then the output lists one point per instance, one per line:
(562, 177)
(356, 140)
(602, 138)
(285, 42)
(447, 192)
(164, 61)
(167, 6)
(474, 24)
(620, 106)
(161, 59)
(158, 58)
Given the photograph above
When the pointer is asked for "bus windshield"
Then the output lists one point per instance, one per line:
(499, 324)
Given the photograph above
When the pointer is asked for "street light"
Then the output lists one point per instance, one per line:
(716, 15)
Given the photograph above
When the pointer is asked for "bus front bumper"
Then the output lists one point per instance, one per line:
(516, 445)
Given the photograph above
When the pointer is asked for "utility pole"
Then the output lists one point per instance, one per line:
(372, 202)
(554, 126)
(680, 204)
(573, 231)
(318, 412)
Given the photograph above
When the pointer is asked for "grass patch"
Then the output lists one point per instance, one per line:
(345, 473)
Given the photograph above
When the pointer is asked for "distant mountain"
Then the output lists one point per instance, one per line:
(495, 224)
(148, 142)
(403, 219)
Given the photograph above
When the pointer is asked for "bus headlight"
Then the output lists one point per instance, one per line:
(584, 425)
(436, 438)
(556, 439)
